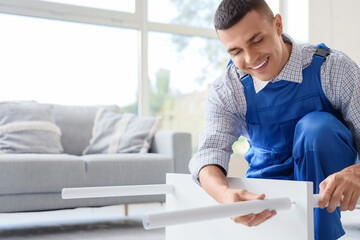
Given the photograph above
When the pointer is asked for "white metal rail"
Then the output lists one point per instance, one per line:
(168, 218)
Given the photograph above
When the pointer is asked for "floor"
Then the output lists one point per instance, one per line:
(106, 223)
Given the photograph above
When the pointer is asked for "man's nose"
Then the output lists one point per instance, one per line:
(251, 56)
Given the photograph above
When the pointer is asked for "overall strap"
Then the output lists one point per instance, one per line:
(319, 57)
(320, 54)
(245, 80)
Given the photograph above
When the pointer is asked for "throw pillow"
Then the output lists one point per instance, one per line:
(122, 133)
(28, 127)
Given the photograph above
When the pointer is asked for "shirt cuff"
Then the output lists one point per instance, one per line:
(208, 157)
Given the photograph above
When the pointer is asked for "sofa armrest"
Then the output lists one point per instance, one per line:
(174, 144)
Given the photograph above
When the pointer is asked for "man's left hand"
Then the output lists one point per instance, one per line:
(342, 187)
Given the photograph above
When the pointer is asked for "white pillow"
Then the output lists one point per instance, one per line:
(122, 133)
(28, 127)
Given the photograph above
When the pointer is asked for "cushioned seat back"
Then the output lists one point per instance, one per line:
(76, 123)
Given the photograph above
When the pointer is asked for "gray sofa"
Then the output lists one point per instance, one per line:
(32, 182)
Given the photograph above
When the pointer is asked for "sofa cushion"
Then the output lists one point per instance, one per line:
(76, 123)
(122, 133)
(28, 127)
(38, 173)
(127, 169)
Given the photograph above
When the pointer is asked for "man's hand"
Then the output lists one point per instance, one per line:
(236, 195)
(214, 182)
(342, 187)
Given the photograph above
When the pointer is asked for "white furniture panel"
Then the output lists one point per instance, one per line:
(295, 223)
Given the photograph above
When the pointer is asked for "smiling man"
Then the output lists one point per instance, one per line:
(297, 104)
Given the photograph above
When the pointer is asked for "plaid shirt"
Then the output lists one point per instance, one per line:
(225, 107)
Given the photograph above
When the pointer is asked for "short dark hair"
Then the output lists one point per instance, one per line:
(230, 12)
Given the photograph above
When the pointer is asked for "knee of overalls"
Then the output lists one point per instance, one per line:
(322, 132)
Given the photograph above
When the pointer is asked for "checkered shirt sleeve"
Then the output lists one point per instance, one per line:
(224, 123)
(340, 79)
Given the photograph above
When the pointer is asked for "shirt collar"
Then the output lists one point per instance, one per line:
(292, 71)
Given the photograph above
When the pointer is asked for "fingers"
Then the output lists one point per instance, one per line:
(244, 219)
(326, 191)
(260, 197)
(334, 190)
(246, 196)
(353, 201)
(331, 191)
(262, 217)
(335, 200)
(345, 202)
(252, 220)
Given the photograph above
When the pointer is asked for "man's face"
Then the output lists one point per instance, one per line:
(255, 45)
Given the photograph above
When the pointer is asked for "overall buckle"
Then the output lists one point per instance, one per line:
(322, 52)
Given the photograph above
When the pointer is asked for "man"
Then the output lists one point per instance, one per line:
(299, 107)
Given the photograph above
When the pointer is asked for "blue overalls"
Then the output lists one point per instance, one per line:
(295, 134)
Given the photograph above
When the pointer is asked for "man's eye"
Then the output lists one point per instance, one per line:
(258, 41)
(236, 53)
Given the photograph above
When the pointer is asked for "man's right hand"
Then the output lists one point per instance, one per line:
(251, 220)
(214, 182)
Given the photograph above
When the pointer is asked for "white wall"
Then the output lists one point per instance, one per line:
(336, 23)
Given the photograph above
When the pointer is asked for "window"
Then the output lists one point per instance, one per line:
(66, 62)
(181, 69)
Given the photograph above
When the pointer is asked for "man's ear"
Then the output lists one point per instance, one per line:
(278, 24)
